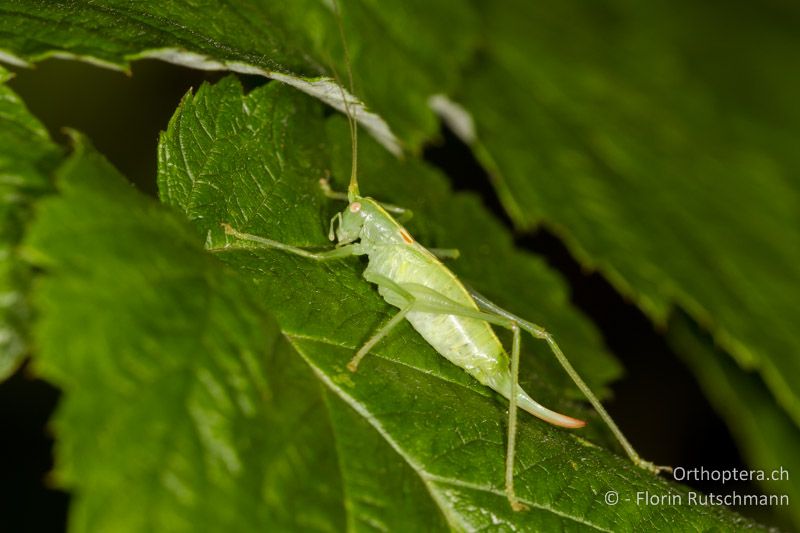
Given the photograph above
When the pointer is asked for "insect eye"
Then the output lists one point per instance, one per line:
(355, 207)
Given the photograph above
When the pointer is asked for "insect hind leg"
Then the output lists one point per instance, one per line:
(431, 301)
(540, 333)
(511, 440)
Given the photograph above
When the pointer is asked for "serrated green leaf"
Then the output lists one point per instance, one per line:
(184, 408)
(255, 161)
(295, 42)
(27, 156)
(648, 167)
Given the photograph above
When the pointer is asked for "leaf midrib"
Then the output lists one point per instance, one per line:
(428, 479)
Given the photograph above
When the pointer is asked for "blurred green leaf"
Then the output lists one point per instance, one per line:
(255, 161)
(767, 436)
(27, 156)
(183, 407)
(295, 42)
(604, 126)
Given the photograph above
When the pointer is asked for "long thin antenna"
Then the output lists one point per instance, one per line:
(352, 190)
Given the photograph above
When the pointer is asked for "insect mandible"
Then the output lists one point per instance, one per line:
(454, 320)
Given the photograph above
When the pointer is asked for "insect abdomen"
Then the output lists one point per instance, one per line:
(466, 342)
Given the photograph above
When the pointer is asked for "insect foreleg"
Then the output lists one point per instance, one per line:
(404, 213)
(540, 333)
(261, 242)
(325, 185)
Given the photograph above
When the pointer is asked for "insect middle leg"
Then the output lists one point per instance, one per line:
(398, 297)
(352, 366)
(445, 253)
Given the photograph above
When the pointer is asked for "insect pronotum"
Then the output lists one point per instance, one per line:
(453, 319)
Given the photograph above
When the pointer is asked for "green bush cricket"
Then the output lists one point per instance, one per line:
(453, 319)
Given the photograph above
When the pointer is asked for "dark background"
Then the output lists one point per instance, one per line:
(657, 404)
